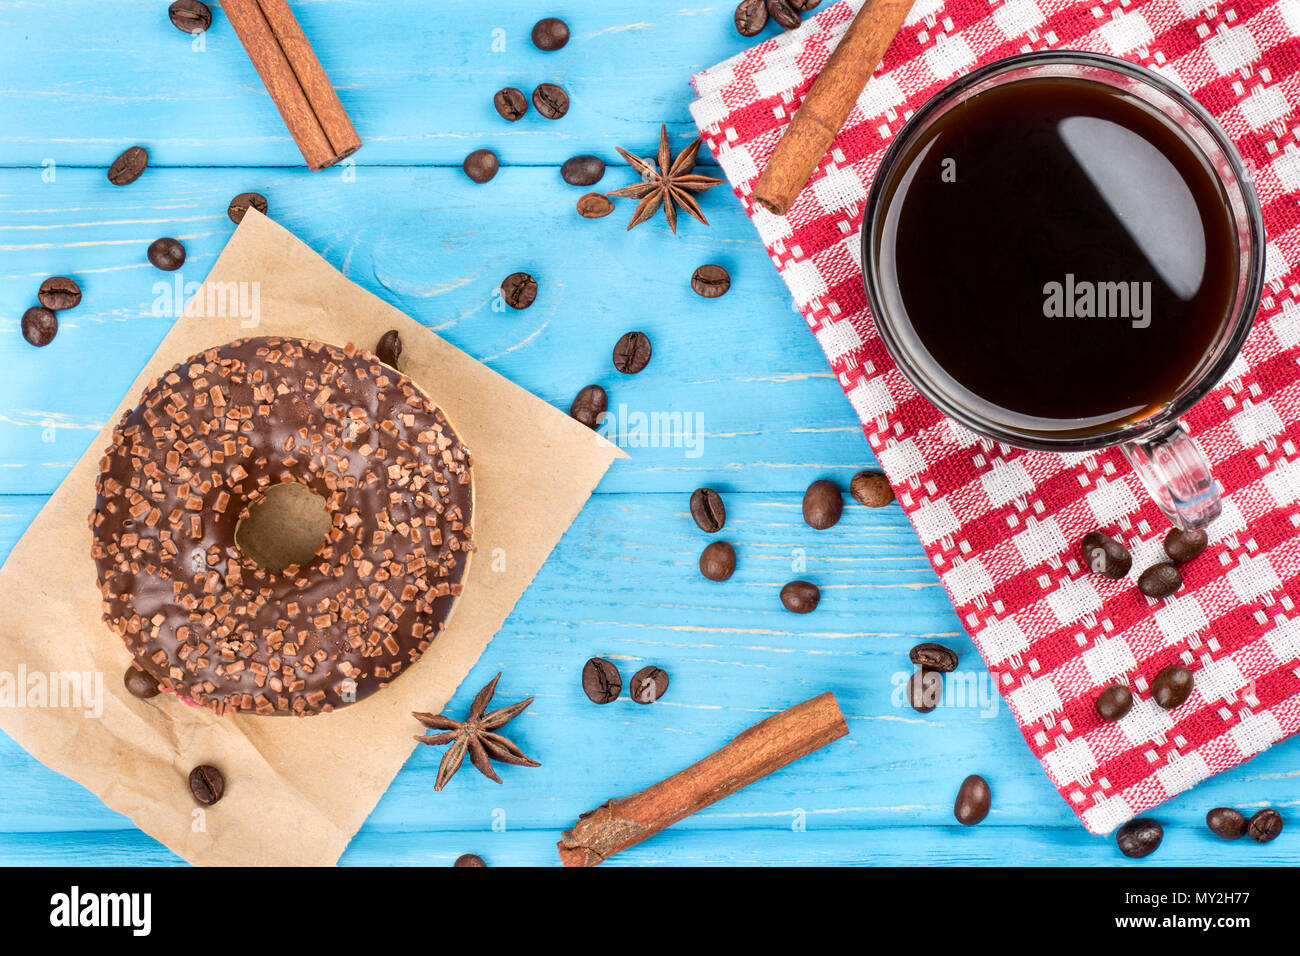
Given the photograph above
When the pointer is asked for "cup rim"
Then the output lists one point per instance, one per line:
(1210, 376)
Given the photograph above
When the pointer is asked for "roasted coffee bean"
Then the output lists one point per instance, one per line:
(751, 17)
(1160, 580)
(40, 325)
(519, 289)
(139, 684)
(1105, 556)
(550, 34)
(128, 167)
(803, 6)
(1139, 838)
(784, 14)
(924, 690)
(1114, 702)
(207, 784)
(585, 170)
(973, 800)
(244, 202)
(1226, 822)
(1265, 826)
(58, 293)
(190, 16)
(601, 681)
(481, 165)
(649, 684)
(389, 349)
(469, 859)
(589, 406)
(632, 352)
(822, 504)
(594, 206)
(1172, 686)
(167, 254)
(718, 561)
(871, 488)
(1183, 546)
(710, 281)
(934, 657)
(801, 597)
(551, 101)
(708, 510)
(510, 103)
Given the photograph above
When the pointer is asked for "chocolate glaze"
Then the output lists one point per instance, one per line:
(200, 450)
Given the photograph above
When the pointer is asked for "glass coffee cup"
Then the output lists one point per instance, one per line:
(1064, 251)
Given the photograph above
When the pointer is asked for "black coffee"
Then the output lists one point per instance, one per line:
(1057, 257)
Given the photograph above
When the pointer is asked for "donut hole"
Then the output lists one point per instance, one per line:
(286, 528)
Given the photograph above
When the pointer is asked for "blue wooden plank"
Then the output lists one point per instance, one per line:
(758, 407)
(417, 79)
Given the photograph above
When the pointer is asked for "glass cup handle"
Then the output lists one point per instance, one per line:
(1177, 476)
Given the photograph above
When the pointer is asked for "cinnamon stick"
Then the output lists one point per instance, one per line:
(818, 121)
(295, 79)
(767, 746)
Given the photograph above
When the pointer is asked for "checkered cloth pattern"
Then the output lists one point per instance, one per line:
(1001, 525)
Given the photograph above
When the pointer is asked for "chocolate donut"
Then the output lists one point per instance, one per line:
(200, 451)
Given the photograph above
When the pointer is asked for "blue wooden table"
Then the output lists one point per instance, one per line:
(82, 79)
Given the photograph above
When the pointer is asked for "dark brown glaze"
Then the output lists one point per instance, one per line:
(200, 450)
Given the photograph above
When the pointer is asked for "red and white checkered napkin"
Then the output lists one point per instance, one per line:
(1000, 525)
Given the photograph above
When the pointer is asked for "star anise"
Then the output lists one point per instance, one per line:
(474, 734)
(670, 184)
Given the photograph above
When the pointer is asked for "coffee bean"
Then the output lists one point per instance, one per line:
(801, 597)
(1265, 826)
(190, 16)
(1105, 556)
(934, 657)
(128, 167)
(481, 165)
(718, 561)
(973, 800)
(871, 488)
(510, 103)
(244, 202)
(58, 293)
(649, 684)
(594, 206)
(632, 352)
(601, 681)
(585, 170)
(708, 510)
(1160, 580)
(1183, 546)
(822, 504)
(551, 101)
(139, 684)
(40, 325)
(784, 14)
(389, 349)
(751, 17)
(1172, 686)
(710, 281)
(1114, 702)
(207, 784)
(589, 406)
(469, 859)
(924, 690)
(167, 254)
(1226, 822)
(519, 289)
(550, 34)
(1139, 838)
(803, 6)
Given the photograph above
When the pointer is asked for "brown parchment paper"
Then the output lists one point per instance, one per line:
(297, 789)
